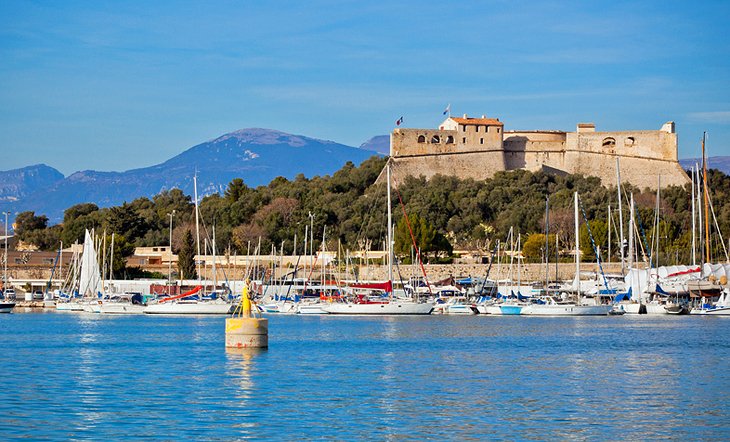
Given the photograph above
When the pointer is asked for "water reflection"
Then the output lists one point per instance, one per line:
(89, 389)
(241, 368)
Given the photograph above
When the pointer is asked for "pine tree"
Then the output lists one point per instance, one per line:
(186, 257)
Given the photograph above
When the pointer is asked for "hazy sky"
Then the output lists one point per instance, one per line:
(111, 85)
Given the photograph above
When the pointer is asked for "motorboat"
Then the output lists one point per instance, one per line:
(720, 308)
(124, 304)
(455, 305)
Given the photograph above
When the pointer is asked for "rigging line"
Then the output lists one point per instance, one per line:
(593, 243)
(413, 239)
(645, 243)
(722, 241)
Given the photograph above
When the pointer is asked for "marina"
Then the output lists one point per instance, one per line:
(90, 376)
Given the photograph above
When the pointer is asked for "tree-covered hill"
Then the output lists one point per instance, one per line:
(446, 213)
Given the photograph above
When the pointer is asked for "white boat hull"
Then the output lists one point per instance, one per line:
(122, 308)
(311, 309)
(189, 308)
(460, 310)
(70, 306)
(634, 308)
(92, 307)
(280, 308)
(492, 309)
(565, 310)
(390, 308)
(720, 311)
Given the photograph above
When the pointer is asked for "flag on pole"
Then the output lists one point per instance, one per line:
(448, 109)
(399, 121)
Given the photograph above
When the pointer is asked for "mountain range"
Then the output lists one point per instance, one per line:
(256, 155)
(720, 163)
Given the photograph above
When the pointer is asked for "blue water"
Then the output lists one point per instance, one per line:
(83, 376)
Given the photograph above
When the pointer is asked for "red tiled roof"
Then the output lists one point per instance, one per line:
(478, 121)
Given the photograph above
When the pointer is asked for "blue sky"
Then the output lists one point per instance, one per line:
(111, 85)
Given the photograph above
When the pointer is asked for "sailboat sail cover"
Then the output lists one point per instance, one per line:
(386, 286)
(90, 280)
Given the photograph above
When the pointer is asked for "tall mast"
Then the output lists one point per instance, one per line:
(197, 222)
(620, 213)
(111, 261)
(694, 227)
(215, 272)
(576, 281)
(707, 203)
(5, 260)
(700, 225)
(390, 229)
(547, 232)
(631, 246)
(656, 222)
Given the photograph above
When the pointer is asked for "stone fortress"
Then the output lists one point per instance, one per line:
(479, 147)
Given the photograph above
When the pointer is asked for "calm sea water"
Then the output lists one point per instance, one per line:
(83, 376)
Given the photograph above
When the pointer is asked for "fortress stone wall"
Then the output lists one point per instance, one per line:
(479, 147)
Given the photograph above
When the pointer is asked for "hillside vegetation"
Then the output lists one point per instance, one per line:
(445, 214)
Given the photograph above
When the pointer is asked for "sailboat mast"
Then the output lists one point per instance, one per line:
(694, 227)
(215, 272)
(111, 260)
(5, 258)
(390, 229)
(620, 213)
(547, 244)
(197, 222)
(576, 282)
(631, 245)
(707, 203)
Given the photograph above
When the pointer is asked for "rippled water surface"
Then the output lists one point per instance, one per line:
(84, 376)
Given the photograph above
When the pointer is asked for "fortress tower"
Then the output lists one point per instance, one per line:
(479, 147)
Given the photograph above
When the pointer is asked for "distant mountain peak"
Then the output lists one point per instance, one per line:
(256, 155)
(378, 143)
(266, 137)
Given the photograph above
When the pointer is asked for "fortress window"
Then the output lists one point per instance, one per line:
(463, 128)
(449, 140)
(609, 142)
(481, 140)
(435, 139)
(629, 142)
(497, 130)
(463, 140)
(476, 128)
(421, 138)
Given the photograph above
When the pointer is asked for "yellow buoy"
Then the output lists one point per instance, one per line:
(245, 329)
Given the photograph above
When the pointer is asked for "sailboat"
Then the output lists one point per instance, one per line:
(551, 306)
(365, 305)
(188, 303)
(90, 284)
(6, 304)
